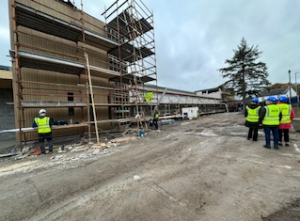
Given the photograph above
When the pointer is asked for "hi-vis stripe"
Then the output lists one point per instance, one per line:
(43, 128)
(269, 118)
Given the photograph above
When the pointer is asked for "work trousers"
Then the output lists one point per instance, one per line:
(155, 123)
(48, 137)
(267, 131)
(253, 134)
(285, 133)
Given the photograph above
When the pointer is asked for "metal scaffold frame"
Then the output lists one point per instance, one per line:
(127, 38)
(131, 24)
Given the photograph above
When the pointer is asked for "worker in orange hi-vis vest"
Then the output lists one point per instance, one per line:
(43, 125)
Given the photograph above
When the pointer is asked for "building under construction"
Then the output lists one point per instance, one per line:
(76, 67)
(90, 76)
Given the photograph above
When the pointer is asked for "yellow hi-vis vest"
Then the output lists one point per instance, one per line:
(286, 113)
(253, 114)
(272, 115)
(156, 115)
(43, 125)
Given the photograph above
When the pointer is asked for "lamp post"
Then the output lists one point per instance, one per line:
(290, 88)
(297, 87)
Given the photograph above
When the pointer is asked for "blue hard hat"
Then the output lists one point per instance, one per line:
(255, 100)
(283, 98)
(272, 99)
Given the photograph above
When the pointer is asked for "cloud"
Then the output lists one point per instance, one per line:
(215, 28)
(194, 38)
(5, 35)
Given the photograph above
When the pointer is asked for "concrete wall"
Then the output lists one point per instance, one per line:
(7, 116)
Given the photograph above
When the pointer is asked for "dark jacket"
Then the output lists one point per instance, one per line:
(155, 115)
(35, 125)
(252, 124)
(262, 115)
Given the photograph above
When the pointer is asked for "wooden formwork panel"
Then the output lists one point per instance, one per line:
(67, 13)
(42, 44)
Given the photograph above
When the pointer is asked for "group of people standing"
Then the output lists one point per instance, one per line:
(275, 117)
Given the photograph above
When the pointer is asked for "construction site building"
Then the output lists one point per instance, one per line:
(55, 47)
(87, 73)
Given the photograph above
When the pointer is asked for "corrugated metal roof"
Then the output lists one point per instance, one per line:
(274, 92)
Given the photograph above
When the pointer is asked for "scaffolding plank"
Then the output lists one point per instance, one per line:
(39, 104)
(144, 26)
(124, 24)
(40, 21)
(30, 60)
(126, 79)
(37, 20)
(130, 53)
(146, 52)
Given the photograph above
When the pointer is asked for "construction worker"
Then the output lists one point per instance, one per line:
(252, 116)
(155, 117)
(286, 122)
(270, 117)
(43, 125)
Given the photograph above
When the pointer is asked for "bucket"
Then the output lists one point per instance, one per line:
(141, 133)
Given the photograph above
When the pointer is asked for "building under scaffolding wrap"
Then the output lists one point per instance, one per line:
(78, 68)
(95, 76)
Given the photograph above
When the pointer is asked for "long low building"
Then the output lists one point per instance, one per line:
(171, 101)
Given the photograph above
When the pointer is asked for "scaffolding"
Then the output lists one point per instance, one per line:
(131, 24)
(49, 41)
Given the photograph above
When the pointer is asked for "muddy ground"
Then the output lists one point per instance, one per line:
(202, 169)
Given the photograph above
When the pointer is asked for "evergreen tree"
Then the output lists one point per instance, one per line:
(246, 75)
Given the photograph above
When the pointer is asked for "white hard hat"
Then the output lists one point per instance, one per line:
(42, 111)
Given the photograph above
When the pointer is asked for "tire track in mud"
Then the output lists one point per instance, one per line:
(54, 184)
(184, 175)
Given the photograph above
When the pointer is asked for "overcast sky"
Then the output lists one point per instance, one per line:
(194, 37)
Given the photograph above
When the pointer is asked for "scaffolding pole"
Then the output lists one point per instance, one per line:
(92, 95)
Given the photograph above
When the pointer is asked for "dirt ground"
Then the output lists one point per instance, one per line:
(202, 170)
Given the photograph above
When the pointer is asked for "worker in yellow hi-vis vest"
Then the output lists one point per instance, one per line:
(43, 125)
(155, 117)
(252, 116)
(270, 117)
